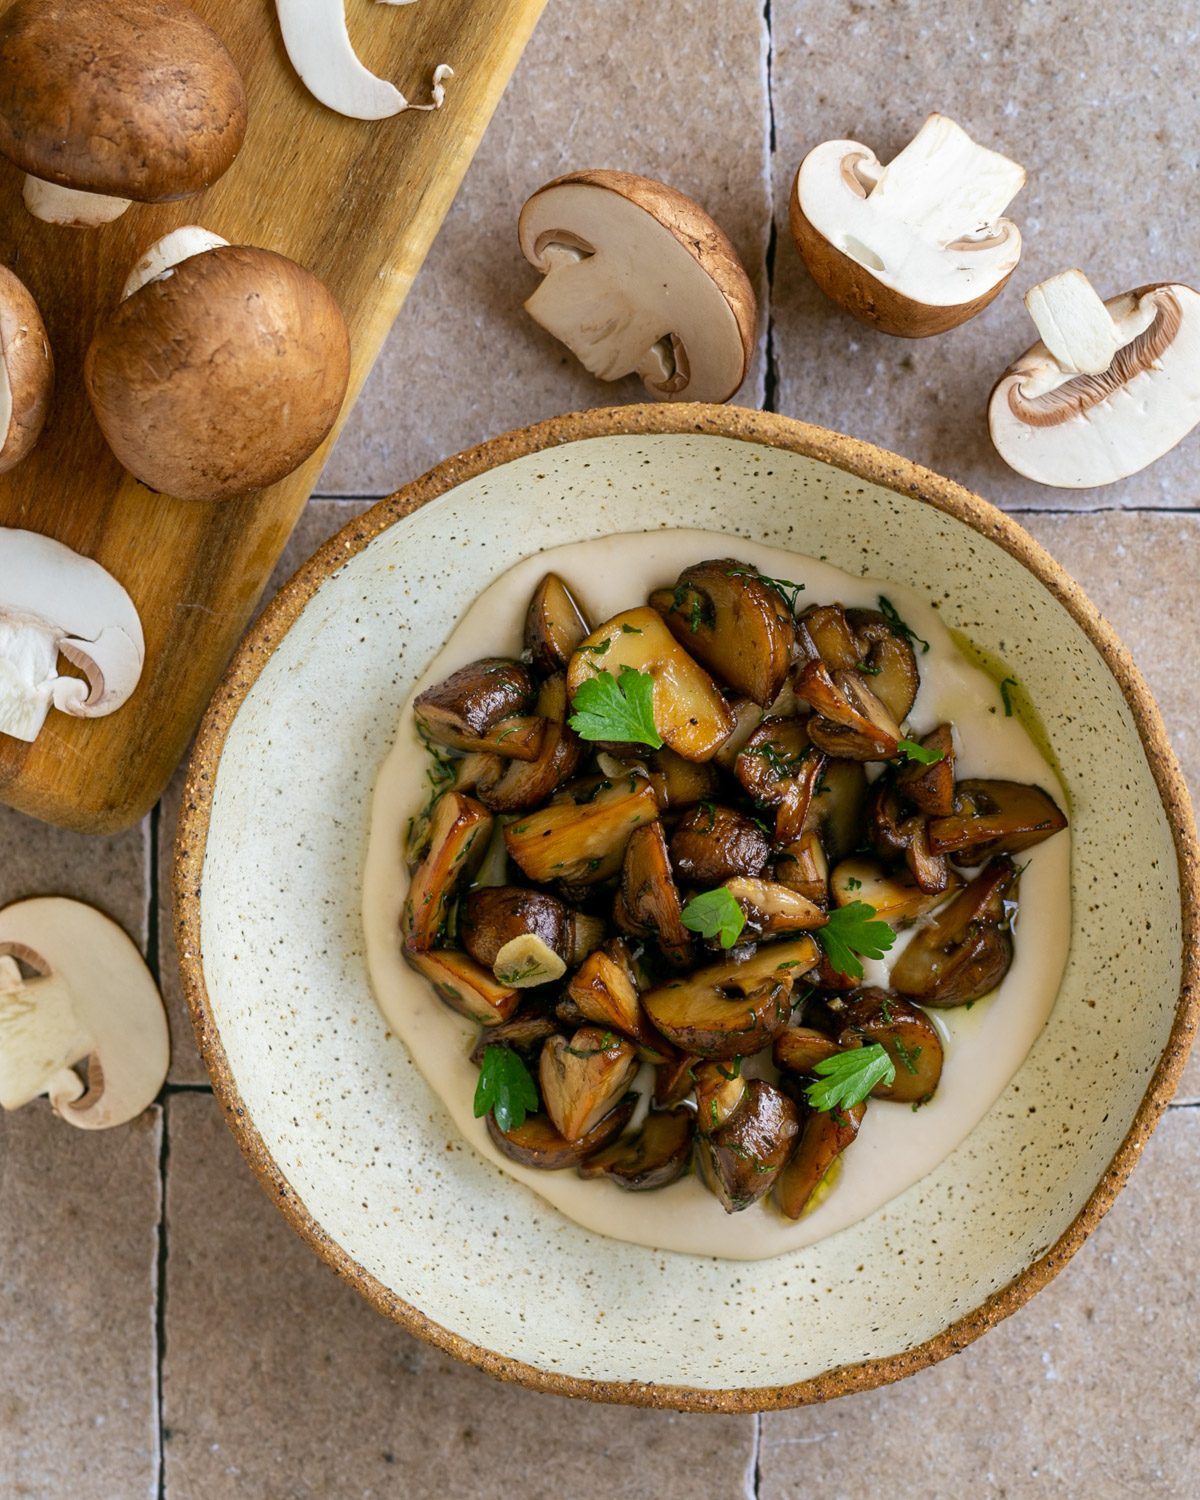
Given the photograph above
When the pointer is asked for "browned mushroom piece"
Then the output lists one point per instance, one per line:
(536, 1142)
(836, 809)
(493, 916)
(930, 788)
(604, 990)
(464, 985)
(889, 827)
(587, 933)
(683, 782)
(658, 1155)
(908, 1036)
(465, 710)
(995, 817)
(732, 1009)
(849, 721)
(742, 1159)
(512, 785)
(581, 843)
(823, 634)
(582, 1079)
(554, 626)
(649, 896)
(747, 716)
(731, 620)
(711, 843)
(802, 866)
(930, 871)
(887, 658)
(895, 895)
(800, 1048)
(674, 1080)
(965, 949)
(773, 910)
(524, 1032)
(775, 756)
(719, 1088)
(458, 835)
(689, 712)
(826, 1134)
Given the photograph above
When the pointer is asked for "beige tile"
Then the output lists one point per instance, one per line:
(683, 100)
(1089, 1390)
(1096, 107)
(280, 1381)
(1133, 568)
(78, 1249)
(320, 520)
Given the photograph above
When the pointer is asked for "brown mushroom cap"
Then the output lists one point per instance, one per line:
(29, 365)
(134, 98)
(220, 376)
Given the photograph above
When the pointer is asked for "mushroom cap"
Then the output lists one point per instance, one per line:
(221, 375)
(28, 370)
(670, 268)
(1090, 430)
(134, 98)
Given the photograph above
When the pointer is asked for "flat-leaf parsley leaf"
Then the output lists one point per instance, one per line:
(505, 1087)
(852, 934)
(611, 708)
(912, 751)
(846, 1078)
(715, 914)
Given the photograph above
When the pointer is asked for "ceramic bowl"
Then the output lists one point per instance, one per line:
(358, 1152)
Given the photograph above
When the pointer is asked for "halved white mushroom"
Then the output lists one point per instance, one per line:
(638, 279)
(319, 47)
(89, 996)
(26, 371)
(53, 602)
(915, 247)
(1110, 387)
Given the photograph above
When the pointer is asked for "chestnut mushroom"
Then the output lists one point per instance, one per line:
(581, 1079)
(464, 985)
(930, 788)
(458, 836)
(850, 721)
(682, 783)
(719, 1089)
(800, 1048)
(711, 843)
(513, 785)
(655, 1157)
(494, 916)
(836, 809)
(582, 843)
(524, 1032)
(604, 990)
(965, 949)
(773, 910)
(908, 1036)
(650, 901)
(826, 1134)
(803, 866)
(26, 371)
(742, 1159)
(895, 895)
(995, 817)
(866, 642)
(483, 706)
(554, 626)
(537, 1143)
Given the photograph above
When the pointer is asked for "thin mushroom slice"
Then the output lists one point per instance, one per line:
(657, 1156)
(741, 1161)
(458, 837)
(995, 817)
(537, 1143)
(1110, 387)
(581, 1079)
(826, 1134)
(554, 626)
(914, 247)
(964, 950)
(638, 279)
(908, 1036)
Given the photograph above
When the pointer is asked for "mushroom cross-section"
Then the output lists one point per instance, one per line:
(53, 602)
(88, 995)
(107, 101)
(26, 371)
(638, 279)
(914, 247)
(1110, 387)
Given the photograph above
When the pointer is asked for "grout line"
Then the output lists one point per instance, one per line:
(754, 1472)
(186, 1088)
(771, 372)
(1102, 510)
(160, 1299)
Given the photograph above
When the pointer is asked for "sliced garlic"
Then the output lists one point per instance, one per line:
(526, 961)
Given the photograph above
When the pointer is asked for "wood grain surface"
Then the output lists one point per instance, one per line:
(359, 204)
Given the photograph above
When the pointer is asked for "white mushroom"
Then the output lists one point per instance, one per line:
(54, 602)
(1110, 387)
(91, 997)
(319, 48)
(638, 279)
(915, 247)
(26, 371)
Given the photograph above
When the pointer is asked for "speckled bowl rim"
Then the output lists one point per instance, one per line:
(865, 461)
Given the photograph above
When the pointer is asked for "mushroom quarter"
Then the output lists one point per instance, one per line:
(26, 371)
(639, 279)
(124, 99)
(221, 374)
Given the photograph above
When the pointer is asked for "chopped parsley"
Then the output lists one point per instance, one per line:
(715, 914)
(505, 1087)
(846, 1078)
(852, 934)
(610, 708)
(912, 751)
(907, 1057)
(1005, 686)
(905, 632)
(788, 591)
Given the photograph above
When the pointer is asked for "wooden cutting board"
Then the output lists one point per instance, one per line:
(359, 204)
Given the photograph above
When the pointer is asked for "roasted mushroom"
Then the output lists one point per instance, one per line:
(994, 817)
(581, 1079)
(803, 867)
(604, 990)
(674, 1080)
(537, 1143)
(865, 642)
(850, 720)
(524, 1032)
(554, 626)
(459, 832)
(747, 716)
(775, 756)
(655, 1157)
(649, 897)
(836, 809)
(464, 985)
(712, 843)
(511, 785)
(719, 1088)
(483, 706)
(683, 782)
(773, 910)
(909, 1037)
(825, 1136)
(965, 949)
(582, 843)
(895, 895)
(493, 916)
(741, 1160)
(930, 788)
(800, 1048)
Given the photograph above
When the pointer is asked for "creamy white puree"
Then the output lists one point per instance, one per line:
(984, 1045)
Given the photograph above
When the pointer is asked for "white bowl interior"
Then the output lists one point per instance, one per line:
(368, 1147)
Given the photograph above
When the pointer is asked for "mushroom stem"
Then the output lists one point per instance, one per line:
(70, 206)
(181, 244)
(1078, 329)
(40, 1035)
(948, 186)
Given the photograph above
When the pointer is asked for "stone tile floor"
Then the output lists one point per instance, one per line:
(161, 1330)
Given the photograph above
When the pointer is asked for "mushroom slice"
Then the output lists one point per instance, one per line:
(895, 895)
(53, 603)
(674, 1080)
(604, 989)
(930, 871)
(583, 1078)
(1112, 385)
(464, 985)
(741, 1161)
(802, 865)
(719, 1088)
(683, 782)
(995, 817)
(554, 626)
(649, 895)
(773, 910)
(89, 996)
(747, 717)
(930, 788)
(513, 785)
(467, 709)
(908, 1036)
(319, 48)
(655, 1157)
(776, 755)
(458, 836)
(823, 633)
(915, 247)
(537, 1143)
(587, 933)
(964, 950)
(524, 1032)
(850, 721)
(638, 279)
(732, 1009)
(826, 1134)
(582, 844)
(729, 618)
(689, 712)
(836, 810)
(26, 371)
(800, 1048)
(888, 659)
(710, 844)
(492, 917)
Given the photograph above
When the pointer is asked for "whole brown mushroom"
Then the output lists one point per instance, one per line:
(26, 371)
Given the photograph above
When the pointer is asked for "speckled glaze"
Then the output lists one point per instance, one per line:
(359, 1153)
